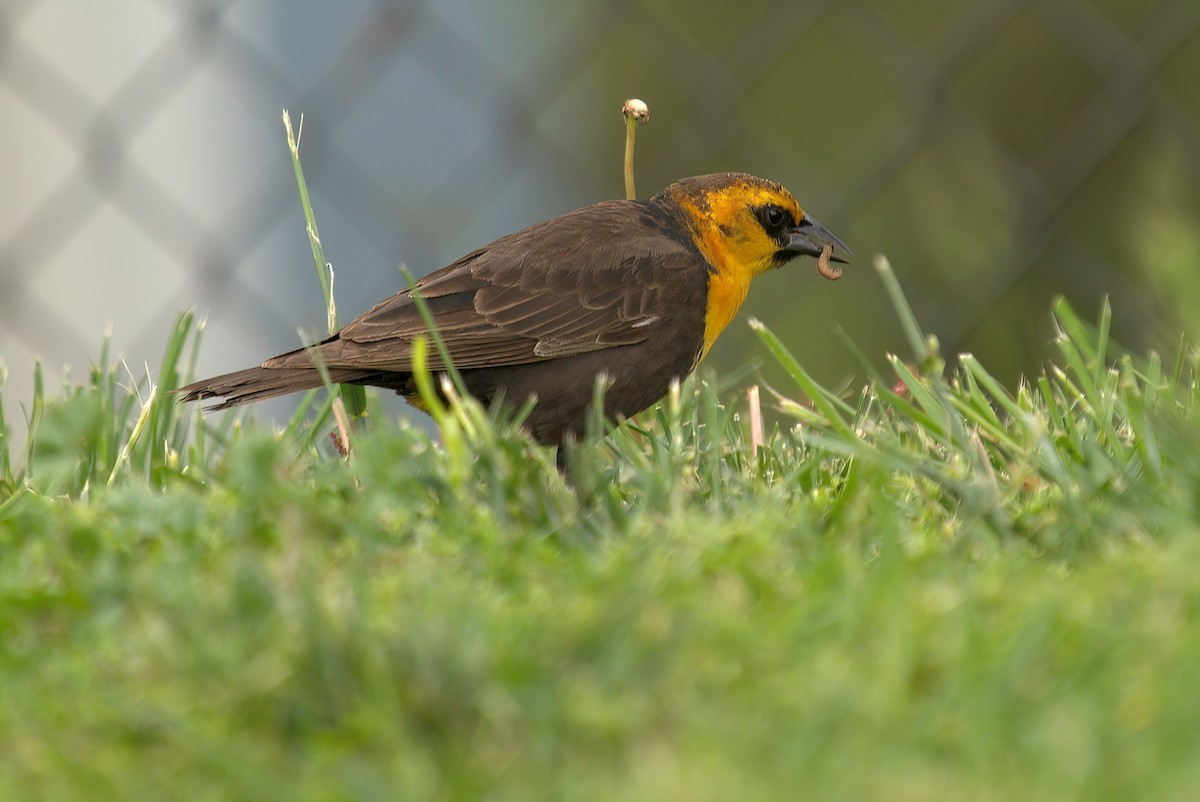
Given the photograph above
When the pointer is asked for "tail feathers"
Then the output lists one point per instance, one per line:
(258, 384)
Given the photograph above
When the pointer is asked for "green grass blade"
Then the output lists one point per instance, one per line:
(921, 345)
(431, 327)
(836, 412)
(37, 410)
(7, 480)
(138, 428)
(354, 396)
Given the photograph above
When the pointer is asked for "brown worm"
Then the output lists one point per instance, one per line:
(824, 267)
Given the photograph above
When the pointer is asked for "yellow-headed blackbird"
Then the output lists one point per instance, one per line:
(634, 290)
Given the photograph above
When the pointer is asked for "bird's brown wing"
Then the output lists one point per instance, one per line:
(588, 280)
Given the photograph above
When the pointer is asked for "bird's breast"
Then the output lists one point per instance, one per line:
(726, 292)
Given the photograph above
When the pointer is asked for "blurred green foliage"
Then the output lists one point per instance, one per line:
(1001, 154)
(945, 592)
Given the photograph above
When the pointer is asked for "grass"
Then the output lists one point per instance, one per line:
(937, 588)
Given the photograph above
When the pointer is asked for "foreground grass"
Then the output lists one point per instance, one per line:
(937, 590)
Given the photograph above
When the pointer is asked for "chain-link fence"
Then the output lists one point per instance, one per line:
(999, 152)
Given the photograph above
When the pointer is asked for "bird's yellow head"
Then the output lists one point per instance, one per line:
(743, 226)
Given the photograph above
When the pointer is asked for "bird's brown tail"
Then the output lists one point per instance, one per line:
(258, 384)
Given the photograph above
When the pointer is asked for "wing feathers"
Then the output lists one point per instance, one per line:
(595, 283)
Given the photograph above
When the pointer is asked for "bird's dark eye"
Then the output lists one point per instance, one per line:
(773, 218)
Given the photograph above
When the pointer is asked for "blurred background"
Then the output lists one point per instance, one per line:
(1001, 153)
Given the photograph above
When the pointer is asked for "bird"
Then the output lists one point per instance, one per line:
(636, 291)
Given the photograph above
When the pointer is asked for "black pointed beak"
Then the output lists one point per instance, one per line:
(809, 238)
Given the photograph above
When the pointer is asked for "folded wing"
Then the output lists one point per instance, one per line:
(592, 286)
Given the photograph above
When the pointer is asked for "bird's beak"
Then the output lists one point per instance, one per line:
(810, 237)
